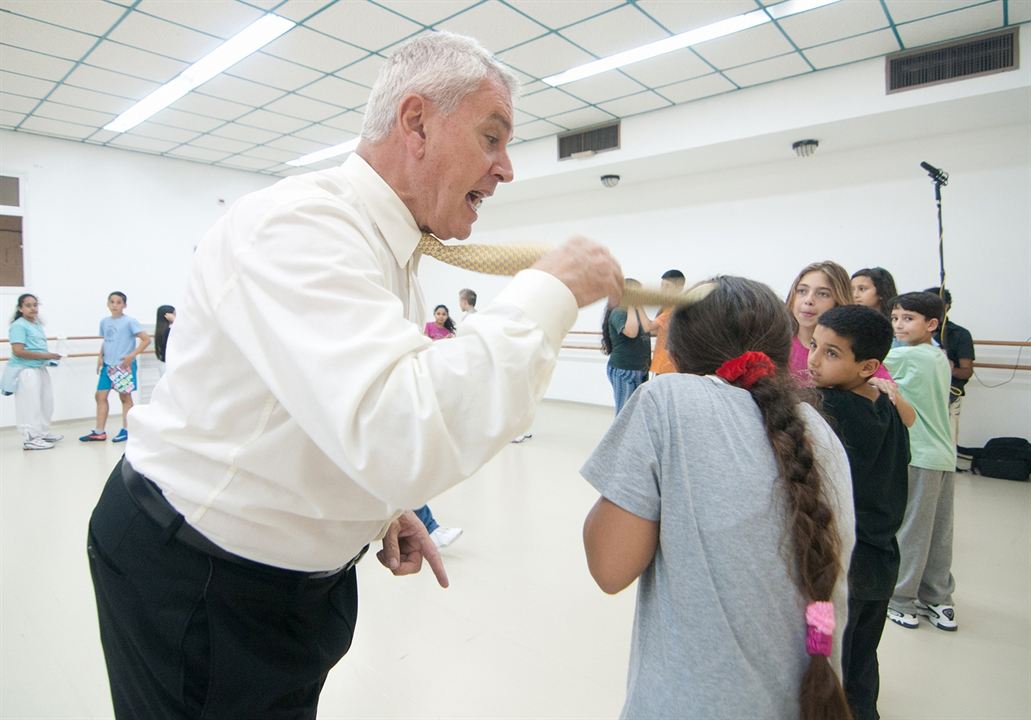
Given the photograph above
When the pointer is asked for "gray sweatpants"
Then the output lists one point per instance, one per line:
(925, 542)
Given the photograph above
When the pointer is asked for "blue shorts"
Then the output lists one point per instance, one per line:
(104, 381)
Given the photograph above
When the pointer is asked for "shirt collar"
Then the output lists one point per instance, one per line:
(391, 216)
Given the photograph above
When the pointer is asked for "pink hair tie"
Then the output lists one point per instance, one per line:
(819, 618)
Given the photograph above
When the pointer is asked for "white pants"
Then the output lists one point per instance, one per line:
(954, 409)
(33, 403)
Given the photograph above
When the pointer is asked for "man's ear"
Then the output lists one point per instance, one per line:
(411, 119)
(869, 367)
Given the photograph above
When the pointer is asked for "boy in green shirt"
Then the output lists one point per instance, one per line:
(925, 583)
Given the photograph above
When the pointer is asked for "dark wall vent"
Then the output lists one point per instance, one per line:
(587, 141)
(981, 55)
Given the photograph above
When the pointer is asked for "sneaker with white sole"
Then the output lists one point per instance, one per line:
(37, 444)
(942, 617)
(442, 536)
(52, 437)
(902, 619)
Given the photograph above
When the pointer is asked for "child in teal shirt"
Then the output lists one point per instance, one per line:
(925, 583)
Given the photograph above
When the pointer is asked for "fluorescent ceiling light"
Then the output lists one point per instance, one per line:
(253, 37)
(711, 31)
(314, 157)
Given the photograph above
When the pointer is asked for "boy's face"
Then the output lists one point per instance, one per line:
(115, 304)
(911, 327)
(832, 364)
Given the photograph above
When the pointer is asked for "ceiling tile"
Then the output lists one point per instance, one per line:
(607, 86)
(190, 121)
(112, 83)
(248, 163)
(635, 104)
(850, 50)
(80, 116)
(559, 14)
(349, 121)
(678, 17)
(90, 99)
(954, 24)
(744, 47)
(843, 19)
(302, 107)
(24, 85)
(294, 144)
(774, 69)
(545, 56)
(59, 128)
(30, 34)
(100, 137)
(195, 153)
(697, 88)
(141, 143)
(214, 142)
(496, 26)
(581, 118)
(336, 91)
(273, 121)
(122, 58)
(536, 129)
(1019, 11)
(548, 102)
(158, 131)
(245, 133)
(222, 19)
(314, 50)
(210, 106)
(89, 16)
(379, 26)
(427, 12)
(33, 63)
(363, 72)
(298, 10)
(613, 32)
(266, 5)
(270, 153)
(10, 119)
(906, 10)
(227, 87)
(17, 103)
(669, 68)
(164, 38)
(269, 70)
(324, 134)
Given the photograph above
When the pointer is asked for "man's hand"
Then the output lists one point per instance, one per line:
(406, 544)
(587, 269)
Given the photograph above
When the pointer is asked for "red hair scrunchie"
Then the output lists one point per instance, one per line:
(747, 368)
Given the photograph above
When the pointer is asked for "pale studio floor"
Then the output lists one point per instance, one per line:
(522, 632)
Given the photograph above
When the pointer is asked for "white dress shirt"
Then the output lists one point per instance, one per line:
(303, 408)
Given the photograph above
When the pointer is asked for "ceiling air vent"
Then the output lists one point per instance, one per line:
(587, 141)
(981, 55)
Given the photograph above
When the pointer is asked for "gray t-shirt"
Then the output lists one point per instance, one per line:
(719, 630)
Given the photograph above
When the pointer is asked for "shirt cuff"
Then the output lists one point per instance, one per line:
(545, 299)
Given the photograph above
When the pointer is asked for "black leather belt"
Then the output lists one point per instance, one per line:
(149, 498)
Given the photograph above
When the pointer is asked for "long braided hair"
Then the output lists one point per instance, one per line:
(731, 316)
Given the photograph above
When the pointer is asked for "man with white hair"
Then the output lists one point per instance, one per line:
(303, 409)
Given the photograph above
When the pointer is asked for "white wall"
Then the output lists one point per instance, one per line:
(866, 207)
(99, 219)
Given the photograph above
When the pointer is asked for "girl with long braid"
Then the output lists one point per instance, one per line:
(730, 499)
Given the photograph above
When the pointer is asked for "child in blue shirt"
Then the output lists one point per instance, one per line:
(115, 362)
(848, 345)
(27, 378)
(925, 584)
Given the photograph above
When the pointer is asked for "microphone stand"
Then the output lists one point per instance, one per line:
(939, 177)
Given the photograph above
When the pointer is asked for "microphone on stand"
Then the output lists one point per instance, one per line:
(939, 176)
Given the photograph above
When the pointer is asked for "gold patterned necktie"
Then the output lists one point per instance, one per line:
(510, 259)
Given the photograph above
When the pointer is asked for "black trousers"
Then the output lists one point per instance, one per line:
(189, 635)
(859, 664)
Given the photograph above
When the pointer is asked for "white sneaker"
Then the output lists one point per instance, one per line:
(520, 438)
(37, 444)
(52, 438)
(942, 617)
(442, 536)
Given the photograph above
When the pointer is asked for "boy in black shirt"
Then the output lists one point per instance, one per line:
(848, 345)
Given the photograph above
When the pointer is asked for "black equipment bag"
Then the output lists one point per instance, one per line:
(1005, 457)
